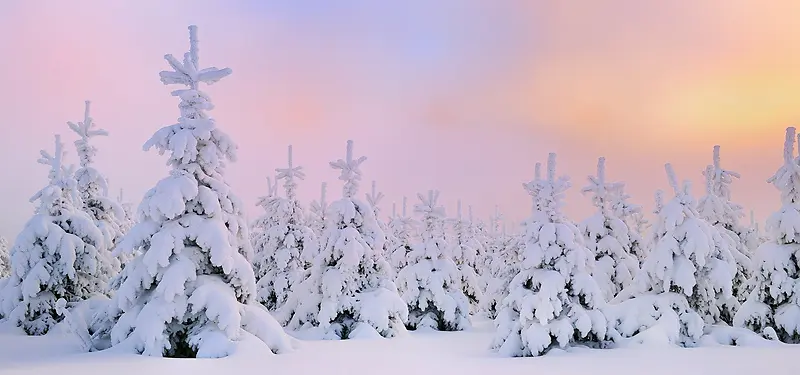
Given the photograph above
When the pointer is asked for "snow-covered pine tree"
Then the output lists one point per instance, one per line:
(431, 282)
(716, 208)
(374, 198)
(403, 234)
(686, 280)
(349, 292)
(553, 301)
(502, 264)
(5, 260)
(191, 291)
(317, 209)
(633, 217)
(285, 245)
(466, 250)
(107, 213)
(608, 237)
(57, 255)
(773, 307)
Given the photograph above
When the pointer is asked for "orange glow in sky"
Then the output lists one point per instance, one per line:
(463, 96)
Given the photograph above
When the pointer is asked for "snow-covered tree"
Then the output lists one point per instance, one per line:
(5, 261)
(773, 307)
(501, 265)
(349, 292)
(403, 236)
(191, 291)
(93, 188)
(687, 277)
(374, 198)
(633, 217)
(716, 208)
(317, 210)
(431, 282)
(285, 243)
(608, 237)
(466, 253)
(553, 301)
(58, 255)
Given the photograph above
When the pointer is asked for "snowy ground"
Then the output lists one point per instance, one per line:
(418, 354)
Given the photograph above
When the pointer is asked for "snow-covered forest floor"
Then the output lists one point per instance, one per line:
(418, 353)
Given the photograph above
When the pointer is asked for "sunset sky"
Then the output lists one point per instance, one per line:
(458, 95)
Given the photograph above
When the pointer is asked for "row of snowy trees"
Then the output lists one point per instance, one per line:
(179, 279)
(189, 276)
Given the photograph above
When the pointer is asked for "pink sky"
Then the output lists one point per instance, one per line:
(463, 96)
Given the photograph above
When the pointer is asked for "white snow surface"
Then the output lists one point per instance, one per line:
(422, 353)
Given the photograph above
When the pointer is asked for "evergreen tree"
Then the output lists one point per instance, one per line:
(717, 209)
(58, 255)
(316, 215)
(631, 214)
(374, 198)
(284, 242)
(553, 301)
(608, 237)
(431, 282)
(688, 274)
(93, 188)
(5, 261)
(191, 291)
(349, 292)
(502, 263)
(773, 307)
(403, 236)
(466, 252)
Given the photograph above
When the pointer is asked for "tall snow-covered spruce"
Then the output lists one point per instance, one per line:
(431, 282)
(284, 244)
(773, 307)
(348, 293)
(553, 301)
(716, 208)
(58, 255)
(93, 188)
(608, 237)
(190, 293)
